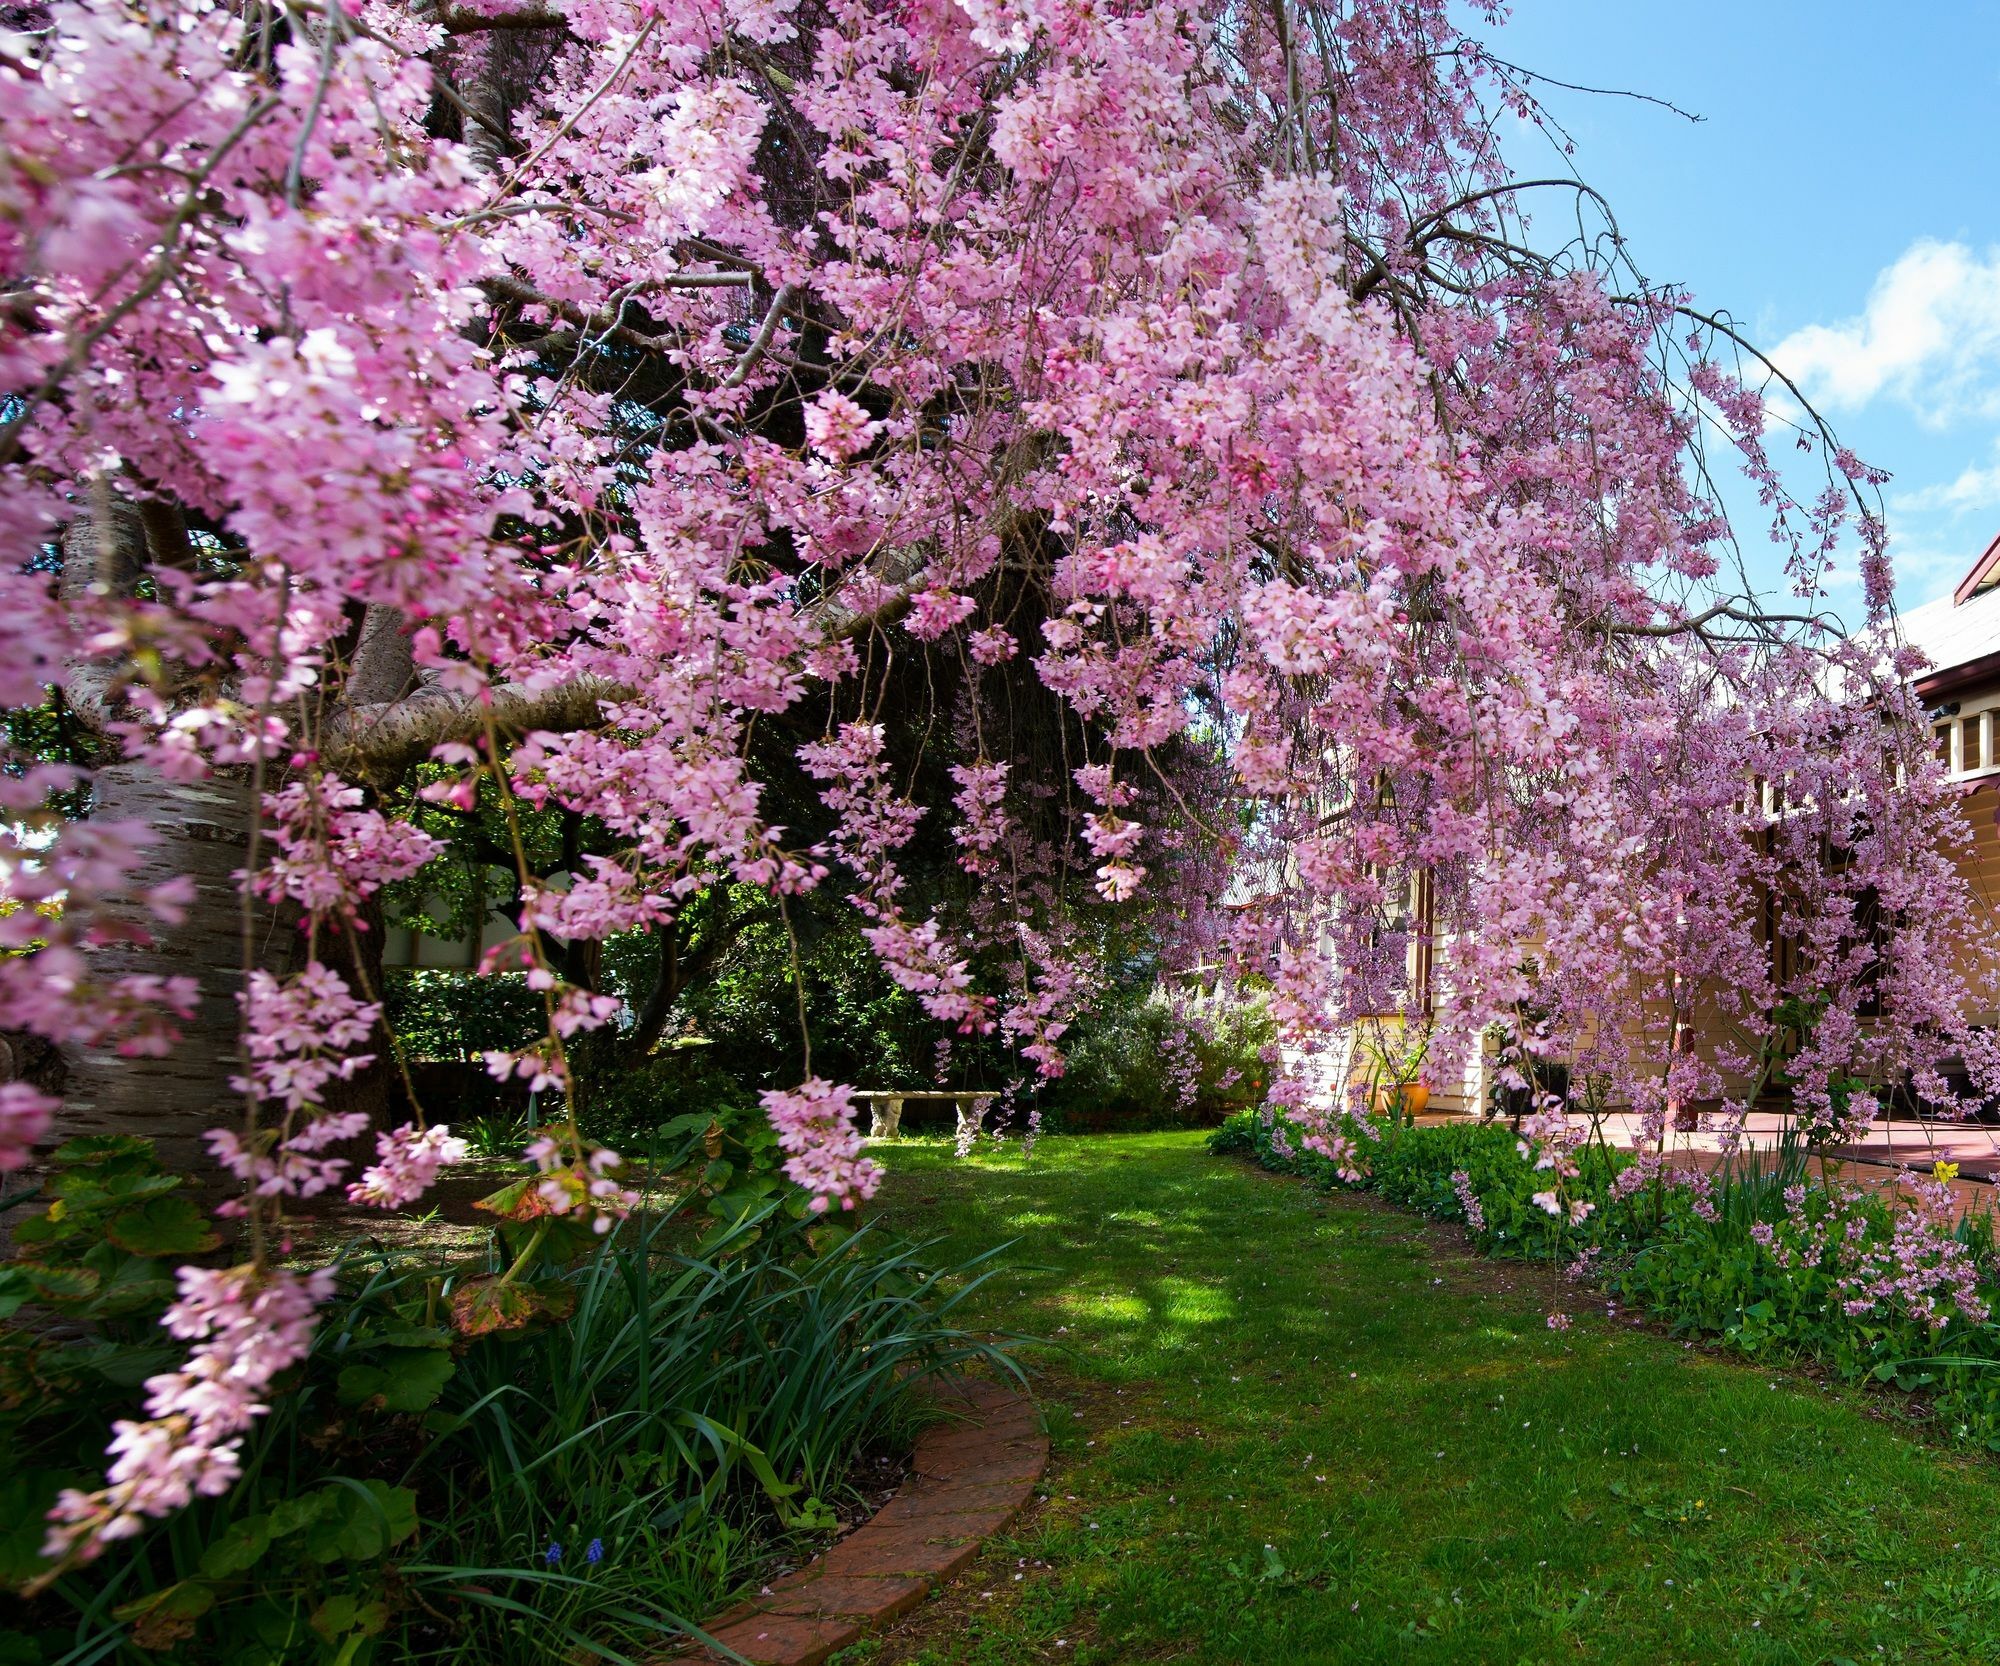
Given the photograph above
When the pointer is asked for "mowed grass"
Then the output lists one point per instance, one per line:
(1292, 1428)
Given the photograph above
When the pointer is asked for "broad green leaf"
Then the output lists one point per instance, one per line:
(130, 1282)
(519, 1202)
(358, 1528)
(289, 1515)
(482, 1305)
(398, 1379)
(241, 1545)
(334, 1617)
(125, 1364)
(162, 1226)
(741, 1198)
(48, 1227)
(100, 1148)
(136, 1188)
(58, 1284)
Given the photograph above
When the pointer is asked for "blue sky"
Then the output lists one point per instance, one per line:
(1841, 198)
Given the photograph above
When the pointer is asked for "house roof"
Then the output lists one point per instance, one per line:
(1960, 633)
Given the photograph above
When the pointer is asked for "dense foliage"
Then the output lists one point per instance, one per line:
(580, 1487)
(1160, 1059)
(1143, 1056)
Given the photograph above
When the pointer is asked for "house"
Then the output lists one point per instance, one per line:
(1960, 636)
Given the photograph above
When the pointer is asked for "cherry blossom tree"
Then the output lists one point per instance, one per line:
(1155, 444)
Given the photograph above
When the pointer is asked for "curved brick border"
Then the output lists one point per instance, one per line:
(967, 1479)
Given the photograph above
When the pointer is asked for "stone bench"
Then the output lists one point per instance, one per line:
(885, 1119)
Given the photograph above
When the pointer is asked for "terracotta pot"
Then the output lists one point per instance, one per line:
(1408, 1100)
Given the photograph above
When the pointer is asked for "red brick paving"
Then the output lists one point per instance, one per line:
(967, 1480)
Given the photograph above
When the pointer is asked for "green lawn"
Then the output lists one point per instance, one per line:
(1293, 1428)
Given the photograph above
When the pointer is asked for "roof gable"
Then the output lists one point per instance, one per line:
(1984, 575)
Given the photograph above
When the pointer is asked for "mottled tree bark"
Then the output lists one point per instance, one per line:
(200, 829)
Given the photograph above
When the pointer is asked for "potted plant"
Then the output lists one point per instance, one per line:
(1397, 1090)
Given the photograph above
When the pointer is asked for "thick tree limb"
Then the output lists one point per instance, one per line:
(381, 742)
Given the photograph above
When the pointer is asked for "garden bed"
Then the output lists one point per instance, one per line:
(1780, 1254)
(967, 1479)
(494, 1458)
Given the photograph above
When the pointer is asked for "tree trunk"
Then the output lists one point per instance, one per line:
(201, 830)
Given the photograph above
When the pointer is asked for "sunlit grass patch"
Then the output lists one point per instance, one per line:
(1293, 1428)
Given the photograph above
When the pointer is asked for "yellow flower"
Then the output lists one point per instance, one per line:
(1944, 1171)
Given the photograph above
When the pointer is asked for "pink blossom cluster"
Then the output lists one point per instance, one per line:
(247, 1327)
(302, 1033)
(406, 1165)
(817, 1130)
(330, 854)
(1924, 1270)
(981, 801)
(1549, 1140)
(542, 1066)
(1468, 1200)
(271, 1164)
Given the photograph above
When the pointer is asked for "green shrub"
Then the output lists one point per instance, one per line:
(629, 1104)
(439, 1014)
(1161, 1061)
(577, 1488)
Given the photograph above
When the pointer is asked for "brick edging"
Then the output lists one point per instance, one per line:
(967, 1479)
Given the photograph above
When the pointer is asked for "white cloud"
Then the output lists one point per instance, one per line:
(1976, 487)
(1928, 336)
